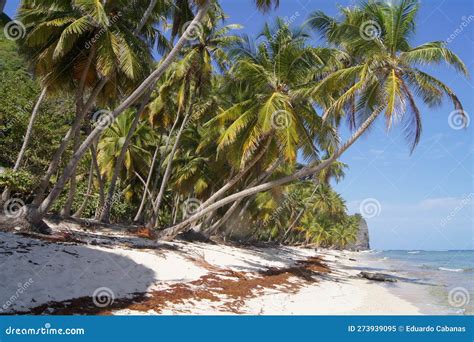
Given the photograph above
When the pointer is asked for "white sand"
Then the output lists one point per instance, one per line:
(59, 272)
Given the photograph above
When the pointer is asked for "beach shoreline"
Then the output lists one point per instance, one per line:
(149, 277)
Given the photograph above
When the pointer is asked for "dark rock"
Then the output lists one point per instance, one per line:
(377, 276)
(362, 243)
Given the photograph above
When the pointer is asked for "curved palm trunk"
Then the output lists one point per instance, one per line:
(138, 216)
(100, 181)
(35, 215)
(167, 174)
(145, 17)
(105, 214)
(81, 208)
(170, 233)
(76, 126)
(264, 177)
(140, 213)
(237, 177)
(26, 139)
(66, 211)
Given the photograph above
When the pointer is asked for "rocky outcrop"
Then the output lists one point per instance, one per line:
(362, 243)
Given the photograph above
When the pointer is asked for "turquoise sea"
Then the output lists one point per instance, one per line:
(449, 276)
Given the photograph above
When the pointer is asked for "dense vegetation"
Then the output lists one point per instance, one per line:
(227, 132)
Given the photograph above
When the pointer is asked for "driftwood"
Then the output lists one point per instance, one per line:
(377, 276)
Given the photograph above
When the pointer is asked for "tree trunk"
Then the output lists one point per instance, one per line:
(237, 177)
(66, 211)
(167, 174)
(264, 177)
(53, 165)
(36, 214)
(145, 17)
(170, 233)
(146, 185)
(141, 213)
(100, 181)
(81, 208)
(105, 214)
(26, 139)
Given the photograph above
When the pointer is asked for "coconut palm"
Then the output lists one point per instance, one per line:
(193, 76)
(87, 48)
(271, 118)
(138, 152)
(384, 78)
(36, 215)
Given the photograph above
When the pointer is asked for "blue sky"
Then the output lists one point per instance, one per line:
(424, 200)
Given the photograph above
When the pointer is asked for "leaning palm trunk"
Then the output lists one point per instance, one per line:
(35, 215)
(141, 211)
(26, 139)
(105, 214)
(264, 177)
(167, 174)
(100, 180)
(66, 211)
(76, 126)
(162, 157)
(218, 194)
(170, 233)
(138, 216)
(81, 208)
(145, 17)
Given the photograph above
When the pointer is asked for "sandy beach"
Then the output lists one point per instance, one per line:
(119, 273)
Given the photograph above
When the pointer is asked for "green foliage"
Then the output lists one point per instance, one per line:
(306, 213)
(19, 182)
(19, 95)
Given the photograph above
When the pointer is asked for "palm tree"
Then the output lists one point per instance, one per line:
(272, 117)
(26, 139)
(384, 78)
(86, 48)
(194, 75)
(35, 215)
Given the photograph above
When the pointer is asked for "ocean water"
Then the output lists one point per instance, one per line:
(448, 276)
